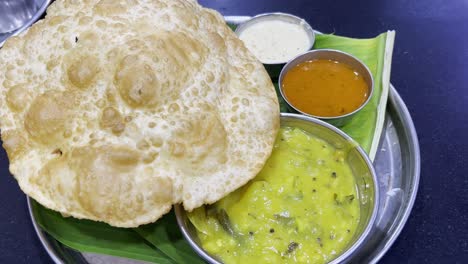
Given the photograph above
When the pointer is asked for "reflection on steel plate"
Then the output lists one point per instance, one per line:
(16, 13)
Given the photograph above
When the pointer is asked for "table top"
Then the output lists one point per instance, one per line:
(429, 70)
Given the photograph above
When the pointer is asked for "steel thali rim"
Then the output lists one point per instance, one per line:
(415, 160)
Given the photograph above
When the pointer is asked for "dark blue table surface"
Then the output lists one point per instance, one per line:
(430, 71)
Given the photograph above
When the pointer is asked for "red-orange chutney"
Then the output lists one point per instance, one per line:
(325, 88)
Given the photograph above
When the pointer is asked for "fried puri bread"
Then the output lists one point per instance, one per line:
(116, 110)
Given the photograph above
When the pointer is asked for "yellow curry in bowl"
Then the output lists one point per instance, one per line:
(301, 208)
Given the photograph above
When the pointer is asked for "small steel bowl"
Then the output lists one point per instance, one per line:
(336, 55)
(363, 171)
(274, 69)
(18, 15)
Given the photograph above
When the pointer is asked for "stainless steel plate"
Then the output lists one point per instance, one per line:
(18, 15)
(397, 165)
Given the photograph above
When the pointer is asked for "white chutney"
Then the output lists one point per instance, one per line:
(275, 41)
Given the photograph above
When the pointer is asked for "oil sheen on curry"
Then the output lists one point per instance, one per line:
(325, 88)
(301, 208)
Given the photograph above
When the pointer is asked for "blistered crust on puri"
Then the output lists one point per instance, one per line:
(116, 110)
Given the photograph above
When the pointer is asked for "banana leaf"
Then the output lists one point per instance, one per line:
(162, 242)
(95, 237)
(166, 236)
(366, 126)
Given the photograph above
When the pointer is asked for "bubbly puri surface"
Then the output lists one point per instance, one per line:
(115, 110)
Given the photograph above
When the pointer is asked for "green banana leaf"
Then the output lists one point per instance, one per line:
(366, 126)
(162, 242)
(166, 236)
(96, 237)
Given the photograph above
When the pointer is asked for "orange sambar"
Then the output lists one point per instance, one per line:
(324, 88)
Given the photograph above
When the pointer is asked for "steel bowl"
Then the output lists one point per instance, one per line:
(275, 68)
(336, 55)
(18, 15)
(363, 171)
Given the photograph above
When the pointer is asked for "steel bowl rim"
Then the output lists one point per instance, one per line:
(31, 21)
(345, 255)
(305, 24)
(284, 71)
